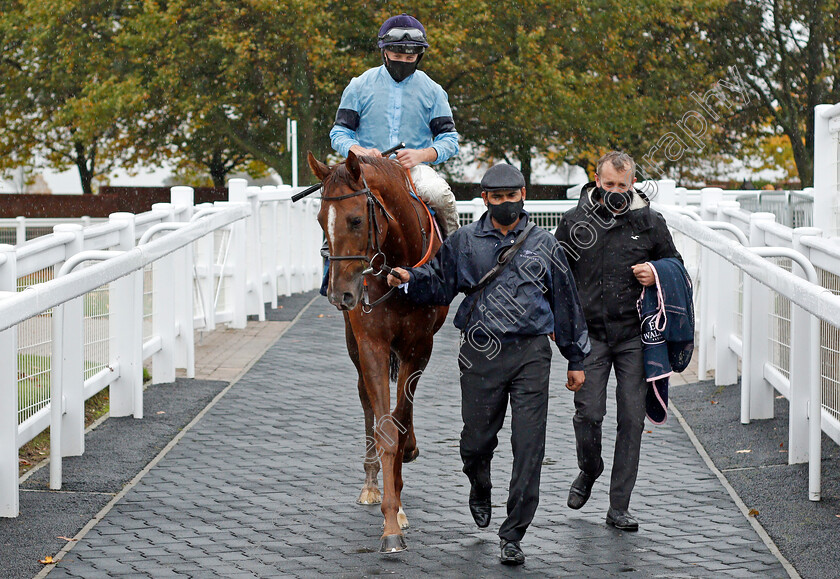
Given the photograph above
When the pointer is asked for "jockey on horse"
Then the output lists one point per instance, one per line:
(396, 103)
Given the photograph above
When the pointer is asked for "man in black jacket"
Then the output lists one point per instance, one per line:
(505, 351)
(609, 238)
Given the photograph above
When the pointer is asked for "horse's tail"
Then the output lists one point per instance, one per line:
(394, 367)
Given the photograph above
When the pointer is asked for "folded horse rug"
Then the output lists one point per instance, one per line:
(666, 312)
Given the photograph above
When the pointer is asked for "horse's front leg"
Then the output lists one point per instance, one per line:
(410, 371)
(387, 433)
(370, 494)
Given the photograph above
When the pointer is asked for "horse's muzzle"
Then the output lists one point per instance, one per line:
(346, 301)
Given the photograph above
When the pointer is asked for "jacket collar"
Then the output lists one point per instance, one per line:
(485, 225)
(638, 214)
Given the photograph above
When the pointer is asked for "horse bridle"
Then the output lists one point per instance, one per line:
(373, 243)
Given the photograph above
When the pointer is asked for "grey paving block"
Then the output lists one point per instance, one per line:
(265, 485)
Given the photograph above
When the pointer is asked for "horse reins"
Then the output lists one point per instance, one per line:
(373, 240)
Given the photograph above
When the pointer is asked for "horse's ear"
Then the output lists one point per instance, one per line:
(352, 164)
(319, 169)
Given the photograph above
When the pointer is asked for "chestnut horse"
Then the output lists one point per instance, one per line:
(372, 221)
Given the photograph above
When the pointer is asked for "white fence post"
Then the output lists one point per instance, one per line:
(269, 251)
(165, 288)
(70, 316)
(283, 261)
(804, 361)
(709, 198)
(825, 195)
(184, 354)
(256, 295)
(239, 192)
(757, 394)
(313, 237)
(238, 267)
(20, 229)
(9, 494)
(126, 331)
(479, 208)
(666, 192)
(725, 277)
(296, 263)
(205, 265)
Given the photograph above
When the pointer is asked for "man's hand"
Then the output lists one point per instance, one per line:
(575, 379)
(409, 158)
(644, 273)
(360, 151)
(397, 276)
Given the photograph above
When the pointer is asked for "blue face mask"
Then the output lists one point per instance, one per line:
(507, 212)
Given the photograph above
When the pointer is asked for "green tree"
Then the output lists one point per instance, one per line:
(571, 80)
(65, 91)
(228, 73)
(788, 53)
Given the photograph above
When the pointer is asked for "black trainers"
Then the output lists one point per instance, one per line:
(511, 553)
(480, 507)
(582, 488)
(622, 520)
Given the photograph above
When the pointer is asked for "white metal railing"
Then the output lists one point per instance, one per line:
(827, 168)
(83, 307)
(18, 230)
(780, 326)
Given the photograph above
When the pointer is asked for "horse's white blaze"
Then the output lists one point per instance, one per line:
(331, 222)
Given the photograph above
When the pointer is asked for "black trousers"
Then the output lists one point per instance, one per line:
(517, 372)
(591, 407)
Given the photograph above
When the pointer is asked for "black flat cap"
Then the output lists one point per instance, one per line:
(502, 177)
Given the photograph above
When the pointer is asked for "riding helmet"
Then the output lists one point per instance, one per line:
(403, 33)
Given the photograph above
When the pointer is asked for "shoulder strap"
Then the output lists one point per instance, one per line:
(505, 258)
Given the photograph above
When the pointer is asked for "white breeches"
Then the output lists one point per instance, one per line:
(434, 190)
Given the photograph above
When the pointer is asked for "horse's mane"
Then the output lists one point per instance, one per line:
(388, 167)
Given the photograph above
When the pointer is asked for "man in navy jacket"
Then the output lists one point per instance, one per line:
(609, 238)
(505, 351)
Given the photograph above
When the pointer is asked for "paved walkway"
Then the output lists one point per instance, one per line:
(264, 484)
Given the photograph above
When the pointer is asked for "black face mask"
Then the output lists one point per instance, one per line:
(616, 201)
(507, 212)
(399, 70)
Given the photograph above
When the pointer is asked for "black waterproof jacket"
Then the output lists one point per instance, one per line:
(601, 250)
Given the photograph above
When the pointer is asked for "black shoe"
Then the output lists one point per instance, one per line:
(511, 553)
(622, 520)
(480, 506)
(582, 488)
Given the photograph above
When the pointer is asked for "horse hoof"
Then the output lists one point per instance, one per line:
(410, 455)
(392, 544)
(402, 519)
(369, 497)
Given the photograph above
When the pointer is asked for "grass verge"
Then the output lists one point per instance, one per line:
(38, 449)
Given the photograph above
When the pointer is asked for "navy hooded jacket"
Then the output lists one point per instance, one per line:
(533, 295)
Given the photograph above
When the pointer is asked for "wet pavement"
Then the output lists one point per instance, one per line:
(264, 482)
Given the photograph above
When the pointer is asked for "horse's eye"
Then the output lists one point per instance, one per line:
(355, 222)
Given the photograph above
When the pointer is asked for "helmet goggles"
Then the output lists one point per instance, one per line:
(405, 40)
